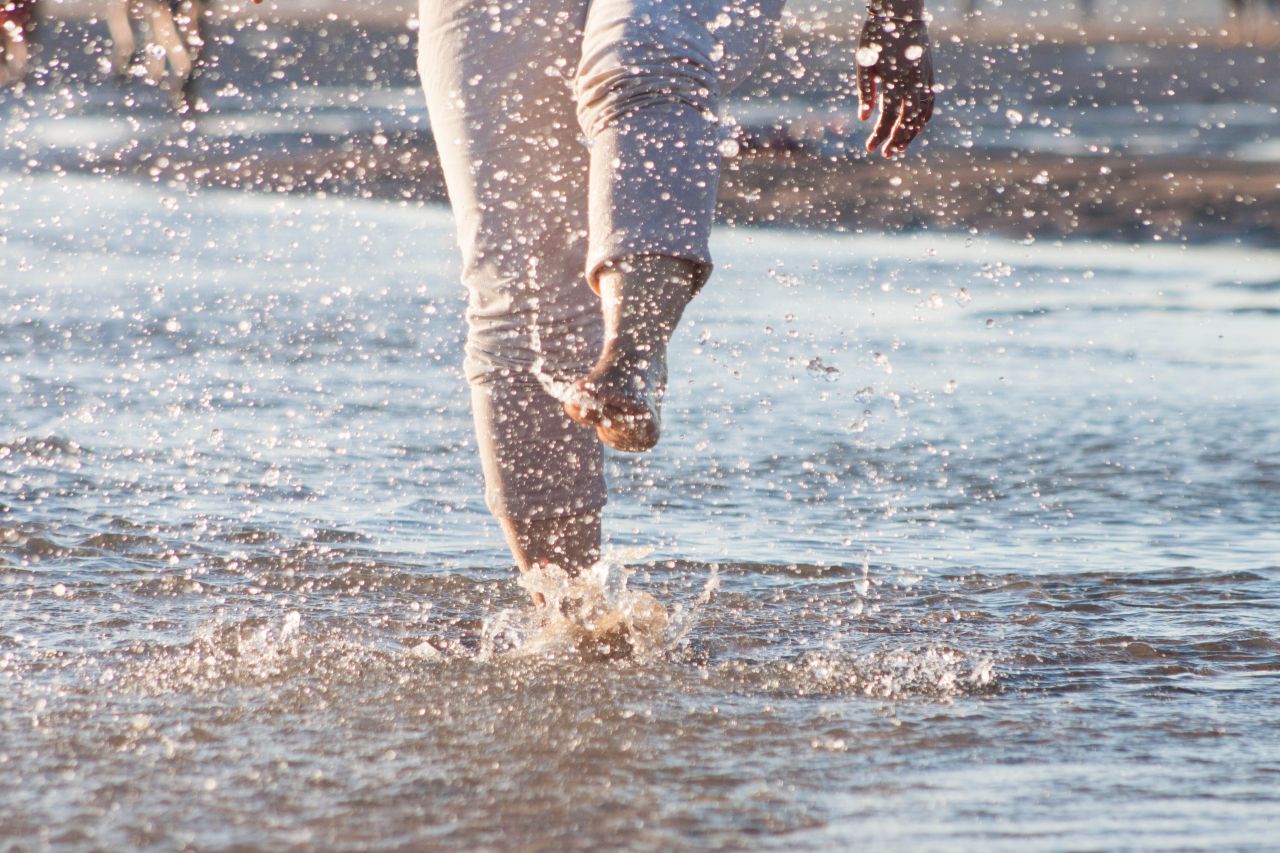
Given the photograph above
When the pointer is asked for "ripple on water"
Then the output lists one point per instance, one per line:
(1020, 590)
(426, 672)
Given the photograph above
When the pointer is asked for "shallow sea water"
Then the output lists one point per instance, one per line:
(969, 544)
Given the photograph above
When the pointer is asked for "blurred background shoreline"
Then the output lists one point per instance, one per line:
(1155, 125)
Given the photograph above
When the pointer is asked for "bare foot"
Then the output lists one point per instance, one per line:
(642, 298)
(622, 398)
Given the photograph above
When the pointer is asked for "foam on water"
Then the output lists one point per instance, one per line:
(595, 615)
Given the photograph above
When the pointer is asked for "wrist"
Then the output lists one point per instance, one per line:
(902, 11)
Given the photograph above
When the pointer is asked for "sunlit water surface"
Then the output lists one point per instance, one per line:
(968, 544)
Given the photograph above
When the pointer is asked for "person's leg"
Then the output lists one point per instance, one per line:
(19, 55)
(571, 542)
(543, 474)
(172, 47)
(499, 93)
(648, 90)
(642, 299)
(13, 45)
(123, 45)
(4, 53)
(189, 15)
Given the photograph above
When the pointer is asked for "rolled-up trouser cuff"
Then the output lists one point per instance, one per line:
(537, 462)
(653, 187)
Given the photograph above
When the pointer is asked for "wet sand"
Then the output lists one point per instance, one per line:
(1021, 195)
(1130, 134)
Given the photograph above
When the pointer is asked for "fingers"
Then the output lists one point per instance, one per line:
(890, 113)
(915, 113)
(895, 68)
(901, 120)
(866, 92)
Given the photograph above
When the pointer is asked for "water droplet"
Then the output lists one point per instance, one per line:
(822, 371)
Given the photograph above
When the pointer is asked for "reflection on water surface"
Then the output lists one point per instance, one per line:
(991, 529)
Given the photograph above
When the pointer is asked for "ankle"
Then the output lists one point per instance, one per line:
(651, 287)
(635, 344)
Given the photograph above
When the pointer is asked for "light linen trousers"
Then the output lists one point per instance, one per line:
(573, 134)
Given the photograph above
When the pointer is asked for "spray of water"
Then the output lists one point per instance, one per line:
(595, 615)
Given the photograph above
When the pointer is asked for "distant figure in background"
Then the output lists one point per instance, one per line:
(173, 40)
(17, 32)
(1238, 12)
(1086, 7)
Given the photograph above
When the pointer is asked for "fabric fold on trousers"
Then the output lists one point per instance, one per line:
(537, 463)
(572, 134)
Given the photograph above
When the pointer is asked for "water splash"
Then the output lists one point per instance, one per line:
(595, 613)
(595, 616)
(936, 672)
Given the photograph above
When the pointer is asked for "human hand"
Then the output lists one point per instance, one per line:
(895, 62)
